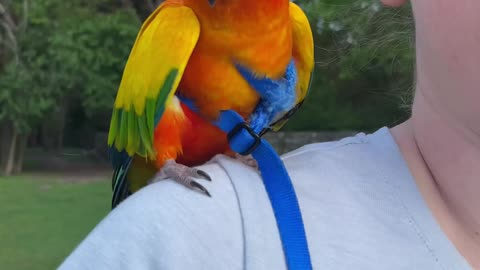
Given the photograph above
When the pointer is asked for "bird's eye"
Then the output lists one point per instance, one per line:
(211, 2)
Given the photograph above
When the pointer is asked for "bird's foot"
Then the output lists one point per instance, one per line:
(182, 174)
(247, 160)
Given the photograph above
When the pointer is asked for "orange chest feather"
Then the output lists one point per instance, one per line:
(211, 79)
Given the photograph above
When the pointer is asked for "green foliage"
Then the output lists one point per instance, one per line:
(103, 44)
(69, 52)
(364, 70)
(18, 94)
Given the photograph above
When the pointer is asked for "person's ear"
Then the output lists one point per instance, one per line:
(393, 3)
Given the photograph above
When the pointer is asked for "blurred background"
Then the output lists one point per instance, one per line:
(60, 66)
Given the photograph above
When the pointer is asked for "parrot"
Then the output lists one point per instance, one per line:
(191, 60)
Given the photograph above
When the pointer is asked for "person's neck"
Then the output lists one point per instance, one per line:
(444, 158)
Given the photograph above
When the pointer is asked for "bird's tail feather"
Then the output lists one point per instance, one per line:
(120, 185)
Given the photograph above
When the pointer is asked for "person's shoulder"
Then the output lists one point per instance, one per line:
(346, 190)
(363, 156)
(354, 147)
(168, 226)
(168, 195)
(355, 170)
(359, 200)
(347, 193)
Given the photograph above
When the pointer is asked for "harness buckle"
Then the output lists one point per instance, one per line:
(236, 130)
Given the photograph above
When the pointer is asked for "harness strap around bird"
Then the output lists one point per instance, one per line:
(245, 140)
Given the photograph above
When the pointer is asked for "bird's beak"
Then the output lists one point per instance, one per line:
(212, 2)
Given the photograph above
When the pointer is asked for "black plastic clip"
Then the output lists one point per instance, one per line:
(234, 132)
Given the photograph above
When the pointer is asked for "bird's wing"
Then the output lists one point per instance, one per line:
(303, 56)
(151, 77)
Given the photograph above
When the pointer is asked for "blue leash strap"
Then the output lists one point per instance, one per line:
(278, 185)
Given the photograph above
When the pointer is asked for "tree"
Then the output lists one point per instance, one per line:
(14, 96)
(90, 49)
(70, 53)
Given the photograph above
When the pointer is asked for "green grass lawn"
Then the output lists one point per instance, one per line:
(43, 218)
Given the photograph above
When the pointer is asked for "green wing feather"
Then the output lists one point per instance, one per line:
(151, 77)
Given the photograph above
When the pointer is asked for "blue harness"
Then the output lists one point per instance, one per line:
(244, 139)
(278, 185)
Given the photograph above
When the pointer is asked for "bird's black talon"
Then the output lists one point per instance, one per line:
(204, 175)
(199, 187)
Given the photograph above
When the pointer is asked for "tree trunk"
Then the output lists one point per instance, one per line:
(12, 149)
(53, 129)
(60, 128)
(33, 140)
(7, 147)
(47, 139)
(59, 146)
(10, 160)
(20, 153)
(4, 142)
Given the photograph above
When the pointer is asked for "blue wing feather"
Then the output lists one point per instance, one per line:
(277, 96)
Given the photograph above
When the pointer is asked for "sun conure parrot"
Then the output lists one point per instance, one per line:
(207, 53)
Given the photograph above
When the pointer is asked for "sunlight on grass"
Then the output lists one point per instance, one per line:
(43, 219)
